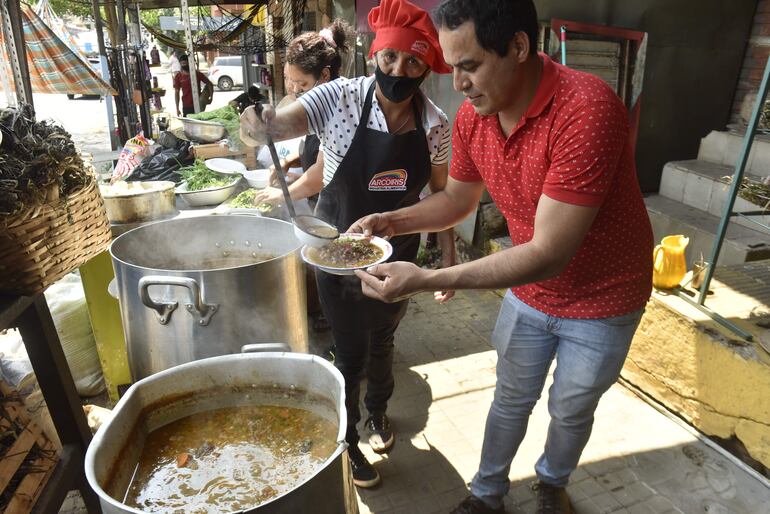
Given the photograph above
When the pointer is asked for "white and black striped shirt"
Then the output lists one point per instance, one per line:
(334, 112)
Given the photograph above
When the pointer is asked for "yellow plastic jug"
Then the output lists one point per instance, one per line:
(669, 265)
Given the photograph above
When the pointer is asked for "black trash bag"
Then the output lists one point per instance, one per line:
(164, 164)
(168, 140)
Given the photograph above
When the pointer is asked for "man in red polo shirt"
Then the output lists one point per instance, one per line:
(551, 146)
(183, 83)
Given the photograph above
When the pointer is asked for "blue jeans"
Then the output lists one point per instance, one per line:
(589, 356)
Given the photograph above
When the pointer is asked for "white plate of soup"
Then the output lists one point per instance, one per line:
(348, 253)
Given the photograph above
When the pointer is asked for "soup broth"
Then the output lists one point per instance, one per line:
(322, 231)
(229, 459)
(347, 253)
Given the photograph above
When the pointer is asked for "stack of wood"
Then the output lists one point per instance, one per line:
(27, 455)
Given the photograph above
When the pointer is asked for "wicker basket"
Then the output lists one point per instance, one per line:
(42, 244)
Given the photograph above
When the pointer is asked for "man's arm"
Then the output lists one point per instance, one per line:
(559, 231)
(437, 212)
(176, 100)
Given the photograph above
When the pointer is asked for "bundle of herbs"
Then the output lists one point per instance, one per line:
(199, 177)
(39, 157)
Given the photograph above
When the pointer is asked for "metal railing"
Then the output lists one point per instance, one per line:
(728, 213)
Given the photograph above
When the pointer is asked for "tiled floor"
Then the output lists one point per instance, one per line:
(638, 460)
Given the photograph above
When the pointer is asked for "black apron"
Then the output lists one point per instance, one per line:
(307, 157)
(381, 172)
(309, 152)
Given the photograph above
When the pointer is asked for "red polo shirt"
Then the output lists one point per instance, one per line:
(571, 145)
(182, 81)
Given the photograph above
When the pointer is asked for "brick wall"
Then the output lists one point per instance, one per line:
(755, 58)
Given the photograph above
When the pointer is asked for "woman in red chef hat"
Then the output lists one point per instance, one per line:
(382, 142)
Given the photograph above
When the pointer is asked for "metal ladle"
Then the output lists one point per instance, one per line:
(316, 231)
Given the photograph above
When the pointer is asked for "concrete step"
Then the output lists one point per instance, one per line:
(723, 147)
(700, 184)
(671, 217)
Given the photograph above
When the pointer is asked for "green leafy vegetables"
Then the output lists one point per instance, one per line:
(227, 116)
(198, 177)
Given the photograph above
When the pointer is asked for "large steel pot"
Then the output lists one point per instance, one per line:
(185, 390)
(190, 289)
(134, 202)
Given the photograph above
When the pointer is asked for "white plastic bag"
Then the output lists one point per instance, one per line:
(67, 303)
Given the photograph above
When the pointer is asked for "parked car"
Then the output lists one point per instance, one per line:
(226, 72)
(96, 64)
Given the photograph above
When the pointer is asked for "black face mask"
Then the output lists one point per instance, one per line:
(185, 67)
(397, 89)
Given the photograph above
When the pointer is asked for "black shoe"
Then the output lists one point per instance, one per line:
(380, 434)
(551, 499)
(364, 474)
(474, 505)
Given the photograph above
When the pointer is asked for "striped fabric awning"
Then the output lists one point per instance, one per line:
(53, 66)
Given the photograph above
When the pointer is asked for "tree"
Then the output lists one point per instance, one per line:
(81, 8)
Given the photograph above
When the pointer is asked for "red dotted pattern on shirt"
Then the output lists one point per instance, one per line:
(571, 145)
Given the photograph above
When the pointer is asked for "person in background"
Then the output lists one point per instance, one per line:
(371, 128)
(551, 145)
(173, 65)
(154, 56)
(251, 96)
(183, 84)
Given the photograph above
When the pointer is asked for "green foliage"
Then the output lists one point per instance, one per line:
(62, 7)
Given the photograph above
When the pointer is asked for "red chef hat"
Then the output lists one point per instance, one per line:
(401, 25)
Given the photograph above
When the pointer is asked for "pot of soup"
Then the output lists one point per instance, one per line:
(262, 433)
(200, 287)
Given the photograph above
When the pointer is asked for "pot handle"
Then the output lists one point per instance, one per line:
(112, 288)
(164, 309)
(265, 347)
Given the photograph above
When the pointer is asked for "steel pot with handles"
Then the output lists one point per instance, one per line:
(219, 382)
(194, 288)
(135, 202)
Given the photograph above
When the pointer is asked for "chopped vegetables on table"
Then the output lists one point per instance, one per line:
(245, 200)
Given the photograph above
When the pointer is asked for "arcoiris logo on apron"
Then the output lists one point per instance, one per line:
(393, 180)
